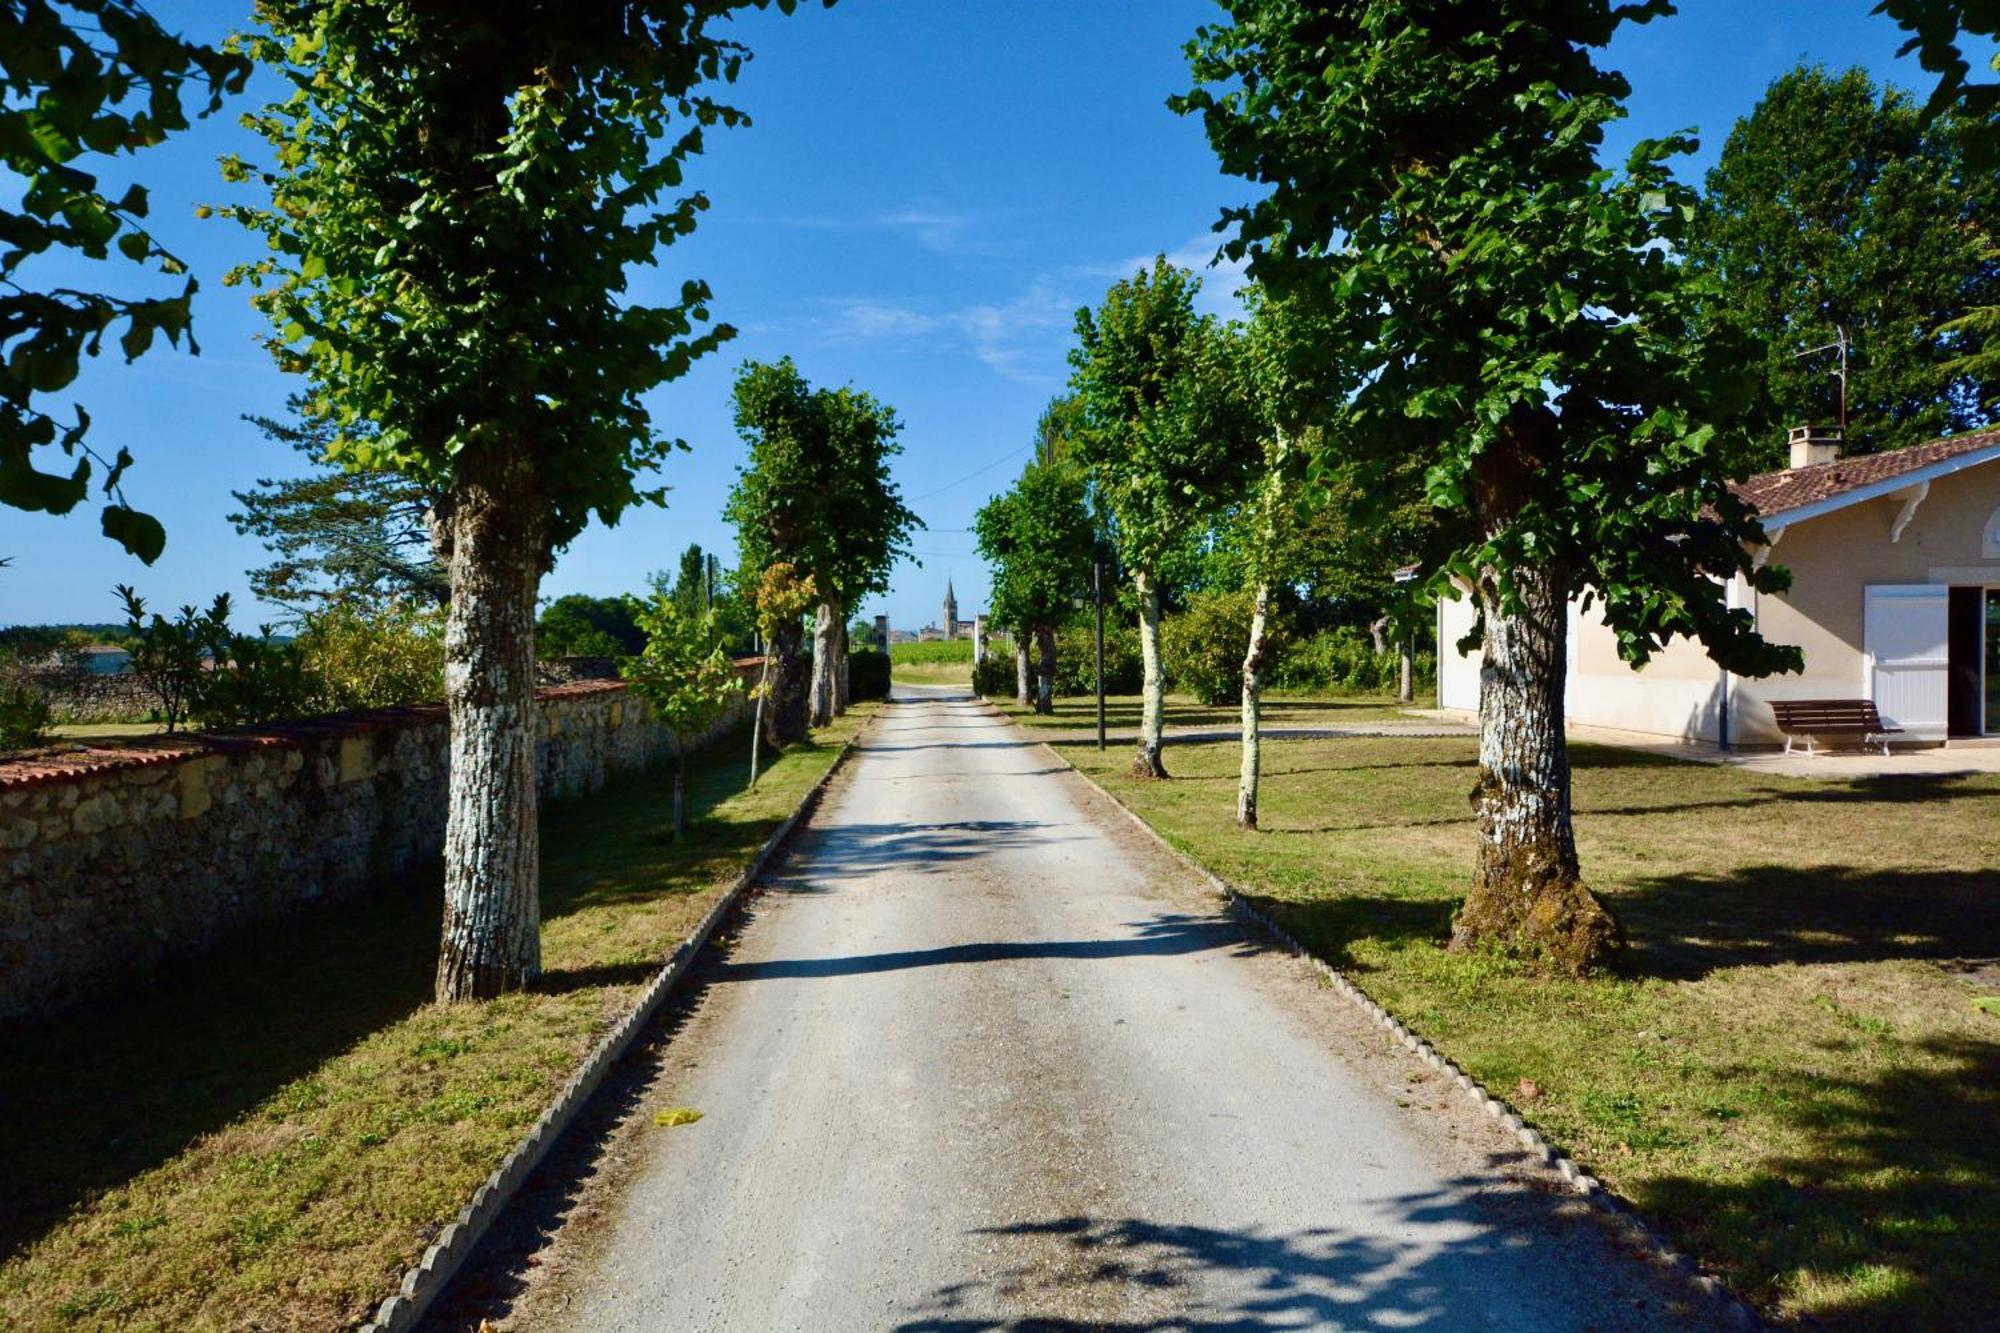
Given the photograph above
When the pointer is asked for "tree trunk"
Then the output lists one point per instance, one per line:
(1253, 692)
(1153, 713)
(826, 669)
(1021, 667)
(1406, 669)
(757, 725)
(841, 696)
(1045, 672)
(680, 787)
(1527, 893)
(785, 711)
(1377, 630)
(492, 545)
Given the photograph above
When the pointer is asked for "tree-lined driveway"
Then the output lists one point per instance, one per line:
(983, 1060)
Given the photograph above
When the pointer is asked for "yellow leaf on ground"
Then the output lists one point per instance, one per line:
(679, 1115)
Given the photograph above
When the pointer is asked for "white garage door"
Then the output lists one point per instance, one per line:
(1907, 665)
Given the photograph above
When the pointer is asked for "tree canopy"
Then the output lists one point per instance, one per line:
(817, 492)
(83, 79)
(1834, 206)
(338, 534)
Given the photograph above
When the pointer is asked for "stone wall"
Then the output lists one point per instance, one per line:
(116, 859)
(91, 696)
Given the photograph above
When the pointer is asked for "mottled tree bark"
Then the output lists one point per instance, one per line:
(1045, 669)
(841, 683)
(1253, 698)
(1528, 894)
(488, 535)
(1021, 673)
(1153, 711)
(826, 665)
(785, 709)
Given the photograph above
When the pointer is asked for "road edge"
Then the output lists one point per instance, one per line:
(424, 1281)
(1623, 1217)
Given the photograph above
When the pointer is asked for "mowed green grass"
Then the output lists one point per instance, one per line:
(268, 1137)
(1789, 1074)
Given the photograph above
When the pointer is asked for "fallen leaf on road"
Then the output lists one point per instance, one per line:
(679, 1115)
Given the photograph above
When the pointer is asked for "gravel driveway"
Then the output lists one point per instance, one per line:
(982, 1059)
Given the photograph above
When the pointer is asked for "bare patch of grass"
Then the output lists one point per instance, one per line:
(1790, 1075)
(269, 1137)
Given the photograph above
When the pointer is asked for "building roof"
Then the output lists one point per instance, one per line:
(1844, 481)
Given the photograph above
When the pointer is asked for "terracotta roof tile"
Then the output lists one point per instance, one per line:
(1777, 492)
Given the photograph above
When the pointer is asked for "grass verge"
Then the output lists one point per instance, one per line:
(1789, 1076)
(1121, 712)
(270, 1137)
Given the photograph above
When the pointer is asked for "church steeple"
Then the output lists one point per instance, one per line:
(950, 611)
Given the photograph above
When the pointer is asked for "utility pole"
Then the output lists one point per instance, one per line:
(1097, 595)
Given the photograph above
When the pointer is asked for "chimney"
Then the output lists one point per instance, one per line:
(1815, 444)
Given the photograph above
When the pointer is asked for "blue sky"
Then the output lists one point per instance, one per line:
(930, 189)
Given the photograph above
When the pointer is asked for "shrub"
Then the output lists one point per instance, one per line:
(358, 657)
(1076, 660)
(24, 716)
(1345, 659)
(1203, 646)
(994, 677)
(867, 674)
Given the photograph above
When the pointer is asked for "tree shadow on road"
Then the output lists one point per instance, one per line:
(1439, 1260)
(1163, 936)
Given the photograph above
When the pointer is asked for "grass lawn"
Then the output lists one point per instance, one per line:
(1121, 712)
(1789, 1075)
(268, 1137)
(939, 662)
(103, 731)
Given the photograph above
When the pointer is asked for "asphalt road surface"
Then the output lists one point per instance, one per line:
(983, 1059)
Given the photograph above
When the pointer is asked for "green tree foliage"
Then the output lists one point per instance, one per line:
(457, 192)
(688, 681)
(1038, 539)
(1166, 434)
(81, 80)
(340, 535)
(1834, 205)
(817, 494)
(1938, 28)
(579, 625)
(1429, 182)
(1202, 646)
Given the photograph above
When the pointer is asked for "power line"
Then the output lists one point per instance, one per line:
(971, 475)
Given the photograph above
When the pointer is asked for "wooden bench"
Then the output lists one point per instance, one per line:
(1828, 719)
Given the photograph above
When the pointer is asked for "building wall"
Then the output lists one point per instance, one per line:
(115, 861)
(1833, 559)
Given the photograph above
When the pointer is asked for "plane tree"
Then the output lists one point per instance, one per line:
(1429, 181)
(457, 193)
(1037, 536)
(1167, 434)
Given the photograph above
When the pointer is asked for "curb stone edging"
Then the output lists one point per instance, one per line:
(427, 1279)
(1633, 1229)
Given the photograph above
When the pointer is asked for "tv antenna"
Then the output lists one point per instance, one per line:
(1840, 343)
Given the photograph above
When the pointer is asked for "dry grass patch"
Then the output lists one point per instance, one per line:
(1789, 1075)
(267, 1138)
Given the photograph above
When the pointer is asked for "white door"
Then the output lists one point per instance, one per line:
(1907, 664)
